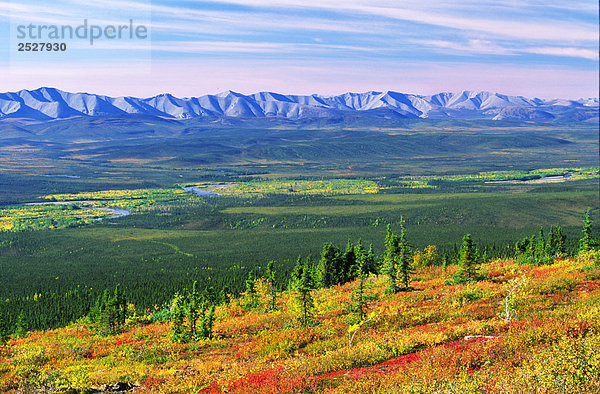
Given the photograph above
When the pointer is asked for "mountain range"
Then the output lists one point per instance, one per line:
(45, 104)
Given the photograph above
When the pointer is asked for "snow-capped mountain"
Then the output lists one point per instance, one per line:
(48, 104)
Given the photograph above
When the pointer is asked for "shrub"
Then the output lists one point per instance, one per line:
(571, 366)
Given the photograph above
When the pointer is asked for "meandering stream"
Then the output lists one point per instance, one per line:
(118, 212)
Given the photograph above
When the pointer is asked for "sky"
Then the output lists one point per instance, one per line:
(534, 48)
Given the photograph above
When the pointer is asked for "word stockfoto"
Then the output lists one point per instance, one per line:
(84, 32)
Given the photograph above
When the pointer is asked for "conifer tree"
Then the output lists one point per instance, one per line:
(551, 243)
(177, 319)
(207, 321)
(329, 266)
(531, 247)
(21, 327)
(194, 309)
(363, 267)
(540, 246)
(404, 270)
(560, 241)
(522, 247)
(110, 312)
(296, 274)
(468, 258)
(371, 265)
(270, 275)
(251, 296)
(390, 259)
(304, 288)
(349, 266)
(586, 242)
(4, 329)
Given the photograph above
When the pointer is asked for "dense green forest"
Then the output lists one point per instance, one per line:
(56, 276)
(292, 188)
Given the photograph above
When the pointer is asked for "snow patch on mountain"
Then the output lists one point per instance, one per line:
(49, 103)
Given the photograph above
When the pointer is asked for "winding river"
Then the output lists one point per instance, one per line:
(118, 212)
(199, 190)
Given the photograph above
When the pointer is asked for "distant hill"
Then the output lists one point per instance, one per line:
(45, 104)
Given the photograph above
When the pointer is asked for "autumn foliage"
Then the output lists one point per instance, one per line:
(519, 328)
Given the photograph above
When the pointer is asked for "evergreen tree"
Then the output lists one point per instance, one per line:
(521, 247)
(551, 243)
(194, 309)
(304, 288)
(540, 246)
(363, 267)
(296, 273)
(4, 329)
(468, 258)
(250, 294)
(531, 247)
(371, 265)
(177, 319)
(485, 257)
(390, 259)
(586, 242)
(560, 241)
(270, 276)
(21, 327)
(404, 269)
(329, 266)
(207, 321)
(110, 312)
(349, 264)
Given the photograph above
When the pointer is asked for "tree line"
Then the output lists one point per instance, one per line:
(192, 312)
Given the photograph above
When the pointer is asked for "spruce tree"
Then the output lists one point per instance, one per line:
(207, 321)
(540, 246)
(531, 247)
(390, 259)
(551, 243)
(371, 265)
(304, 288)
(177, 319)
(251, 296)
(586, 242)
(4, 329)
(270, 276)
(21, 327)
(194, 309)
(329, 266)
(349, 267)
(364, 263)
(110, 312)
(296, 274)
(560, 241)
(468, 258)
(404, 270)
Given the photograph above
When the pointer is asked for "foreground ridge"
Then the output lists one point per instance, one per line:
(440, 336)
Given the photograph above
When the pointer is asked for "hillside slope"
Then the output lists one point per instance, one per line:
(438, 337)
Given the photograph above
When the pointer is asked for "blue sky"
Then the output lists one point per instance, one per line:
(537, 48)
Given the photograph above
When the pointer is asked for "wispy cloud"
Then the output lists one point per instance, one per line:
(205, 47)
(484, 47)
(311, 43)
(439, 14)
(570, 52)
